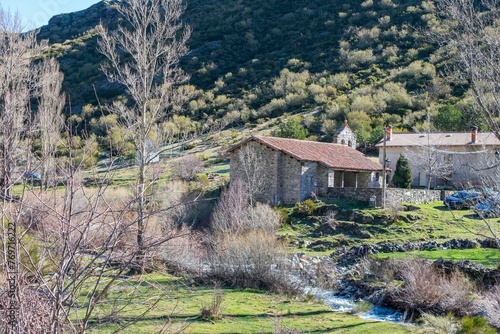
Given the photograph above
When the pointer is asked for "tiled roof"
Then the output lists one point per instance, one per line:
(409, 139)
(332, 155)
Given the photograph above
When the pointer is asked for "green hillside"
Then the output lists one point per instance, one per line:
(364, 61)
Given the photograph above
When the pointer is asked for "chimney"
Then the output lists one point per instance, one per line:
(388, 133)
(474, 135)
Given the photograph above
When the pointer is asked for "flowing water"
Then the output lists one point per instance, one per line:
(340, 304)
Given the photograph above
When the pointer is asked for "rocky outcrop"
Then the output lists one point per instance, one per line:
(483, 277)
(351, 255)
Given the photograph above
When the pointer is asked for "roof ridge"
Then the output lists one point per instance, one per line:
(299, 140)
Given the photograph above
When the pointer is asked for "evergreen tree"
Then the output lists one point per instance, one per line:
(291, 128)
(402, 175)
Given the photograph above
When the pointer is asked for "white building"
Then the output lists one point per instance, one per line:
(445, 158)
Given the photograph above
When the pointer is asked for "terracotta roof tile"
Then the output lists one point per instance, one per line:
(332, 155)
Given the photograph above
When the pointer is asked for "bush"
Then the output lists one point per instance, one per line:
(426, 289)
(213, 310)
(241, 261)
(283, 214)
(489, 306)
(187, 167)
(305, 208)
(475, 325)
(243, 250)
(433, 324)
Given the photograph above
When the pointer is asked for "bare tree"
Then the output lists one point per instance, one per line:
(187, 167)
(143, 55)
(50, 119)
(17, 81)
(469, 30)
(431, 161)
(252, 170)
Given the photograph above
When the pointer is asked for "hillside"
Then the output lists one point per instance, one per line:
(364, 61)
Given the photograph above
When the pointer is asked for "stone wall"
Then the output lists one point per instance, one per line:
(290, 177)
(259, 172)
(358, 194)
(322, 173)
(309, 180)
(415, 196)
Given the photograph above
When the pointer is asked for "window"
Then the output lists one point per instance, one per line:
(331, 179)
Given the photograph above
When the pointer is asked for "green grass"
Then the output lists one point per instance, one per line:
(485, 256)
(434, 222)
(222, 169)
(243, 311)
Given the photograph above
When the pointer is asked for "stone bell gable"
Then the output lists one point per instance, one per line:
(345, 136)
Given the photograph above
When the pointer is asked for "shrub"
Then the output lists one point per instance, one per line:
(475, 325)
(241, 261)
(213, 310)
(305, 208)
(362, 307)
(283, 214)
(189, 145)
(489, 306)
(34, 306)
(187, 167)
(433, 324)
(243, 249)
(426, 289)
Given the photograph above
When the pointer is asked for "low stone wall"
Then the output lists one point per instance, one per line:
(359, 194)
(415, 196)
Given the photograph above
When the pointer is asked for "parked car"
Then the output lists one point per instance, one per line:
(463, 199)
(489, 208)
(31, 175)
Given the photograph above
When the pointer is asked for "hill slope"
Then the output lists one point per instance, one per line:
(252, 59)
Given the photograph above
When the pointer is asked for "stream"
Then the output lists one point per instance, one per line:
(341, 304)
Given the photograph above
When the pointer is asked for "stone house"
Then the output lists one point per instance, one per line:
(286, 171)
(468, 158)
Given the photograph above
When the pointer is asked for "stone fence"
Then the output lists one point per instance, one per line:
(415, 196)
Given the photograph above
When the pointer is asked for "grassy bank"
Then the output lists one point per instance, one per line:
(487, 257)
(242, 311)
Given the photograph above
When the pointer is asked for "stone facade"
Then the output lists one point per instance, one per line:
(290, 180)
(278, 178)
(256, 165)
